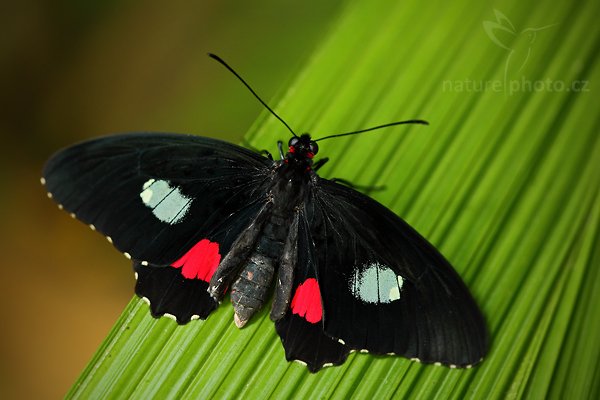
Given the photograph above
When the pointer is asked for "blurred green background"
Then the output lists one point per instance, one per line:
(71, 70)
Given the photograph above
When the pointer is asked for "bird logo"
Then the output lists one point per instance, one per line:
(519, 44)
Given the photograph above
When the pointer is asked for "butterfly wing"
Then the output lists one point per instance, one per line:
(300, 329)
(384, 288)
(168, 292)
(165, 200)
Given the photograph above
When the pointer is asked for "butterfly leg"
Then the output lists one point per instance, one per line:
(267, 153)
(320, 163)
(280, 147)
(358, 187)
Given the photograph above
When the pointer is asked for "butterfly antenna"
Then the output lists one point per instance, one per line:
(410, 121)
(220, 60)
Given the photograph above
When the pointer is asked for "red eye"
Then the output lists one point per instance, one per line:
(292, 149)
(310, 155)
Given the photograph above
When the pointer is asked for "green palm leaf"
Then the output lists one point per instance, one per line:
(505, 182)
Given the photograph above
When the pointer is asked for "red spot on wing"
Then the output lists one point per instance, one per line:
(201, 261)
(307, 301)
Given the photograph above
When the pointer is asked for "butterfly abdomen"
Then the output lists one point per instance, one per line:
(252, 287)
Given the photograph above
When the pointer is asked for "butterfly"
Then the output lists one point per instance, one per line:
(201, 218)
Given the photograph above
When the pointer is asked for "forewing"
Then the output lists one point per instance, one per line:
(157, 195)
(384, 288)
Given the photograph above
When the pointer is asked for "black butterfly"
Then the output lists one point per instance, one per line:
(200, 217)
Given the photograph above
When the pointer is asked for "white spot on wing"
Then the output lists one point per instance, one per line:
(136, 275)
(49, 195)
(127, 255)
(109, 239)
(43, 180)
(376, 283)
(174, 318)
(144, 263)
(146, 300)
(92, 227)
(341, 341)
(167, 202)
(195, 316)
(147, 193)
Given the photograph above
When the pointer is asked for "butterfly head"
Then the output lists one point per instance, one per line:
(302, 148)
